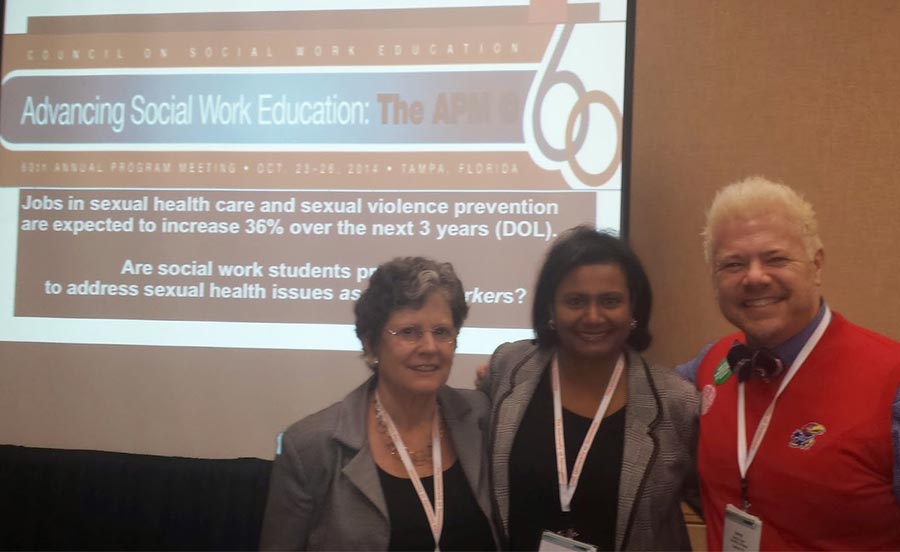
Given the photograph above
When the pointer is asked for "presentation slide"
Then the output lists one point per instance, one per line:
(213, 176)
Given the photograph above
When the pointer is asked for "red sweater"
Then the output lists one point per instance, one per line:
(822, 478)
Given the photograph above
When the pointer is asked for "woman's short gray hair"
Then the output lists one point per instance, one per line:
(406, 282)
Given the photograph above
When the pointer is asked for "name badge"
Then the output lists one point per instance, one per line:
(555, 542)
(742, 530)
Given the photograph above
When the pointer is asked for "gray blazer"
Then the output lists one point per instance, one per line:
(324, 492)
(659, 460)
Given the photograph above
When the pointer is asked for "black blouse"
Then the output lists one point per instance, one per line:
(465, 525)
(533, 484)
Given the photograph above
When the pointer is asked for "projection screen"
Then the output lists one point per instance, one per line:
(194, 193)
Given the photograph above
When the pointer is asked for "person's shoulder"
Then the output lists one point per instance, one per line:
(471, 398)
(510, 356)
(871, 337)
(316, 428)
(514, 350)
(677, 398)
(871, 345)
(324, 424)
(671, 385)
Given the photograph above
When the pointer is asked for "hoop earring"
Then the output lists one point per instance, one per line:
(634, 324)
(551, 324)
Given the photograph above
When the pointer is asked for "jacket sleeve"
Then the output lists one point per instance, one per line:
(290, 504)
(691, 492)
(686, 414)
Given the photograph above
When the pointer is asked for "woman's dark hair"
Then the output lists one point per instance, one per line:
(581, 246)
(406, 282)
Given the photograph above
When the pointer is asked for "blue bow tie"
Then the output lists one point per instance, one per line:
(747, 362)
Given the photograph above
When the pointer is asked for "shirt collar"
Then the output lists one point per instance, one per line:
(789, 350)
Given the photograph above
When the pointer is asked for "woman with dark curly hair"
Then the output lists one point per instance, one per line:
(399, 463)
(588, 441)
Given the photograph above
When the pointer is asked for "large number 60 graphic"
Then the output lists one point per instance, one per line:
(578, 121)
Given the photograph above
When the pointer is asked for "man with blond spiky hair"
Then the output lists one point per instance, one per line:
(800, 426)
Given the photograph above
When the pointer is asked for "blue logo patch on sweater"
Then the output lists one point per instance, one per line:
(805, 437)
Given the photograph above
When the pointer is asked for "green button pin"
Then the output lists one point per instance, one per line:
(722, 373)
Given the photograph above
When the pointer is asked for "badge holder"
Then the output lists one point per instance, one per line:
(742, 531)
(554, 542)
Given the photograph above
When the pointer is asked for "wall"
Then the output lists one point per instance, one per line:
(800, 91)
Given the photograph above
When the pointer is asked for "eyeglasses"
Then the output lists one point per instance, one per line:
(413, 334)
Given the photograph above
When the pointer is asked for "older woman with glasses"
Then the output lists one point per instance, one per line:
(399, 463)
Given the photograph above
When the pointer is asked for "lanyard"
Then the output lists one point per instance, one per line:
(745, 456)
(434, 514)
(567, 486)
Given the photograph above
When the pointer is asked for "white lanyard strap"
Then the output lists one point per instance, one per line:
(745, 457)
(434, 514)
(567, 486)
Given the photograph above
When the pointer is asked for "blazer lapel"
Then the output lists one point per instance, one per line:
(463, 431)
(360, 470)
(508, 415)
(640, 444)
(468, 439)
